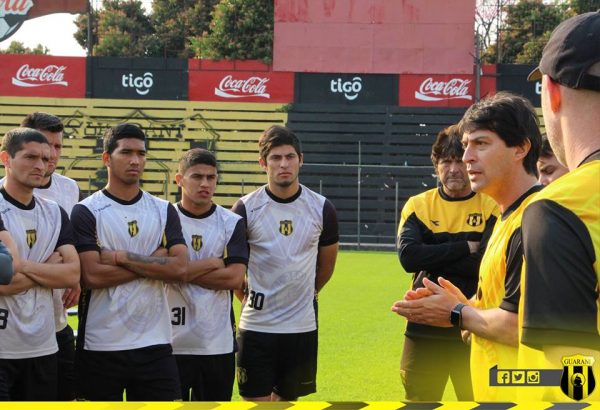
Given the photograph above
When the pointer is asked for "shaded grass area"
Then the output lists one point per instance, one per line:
(360, 339)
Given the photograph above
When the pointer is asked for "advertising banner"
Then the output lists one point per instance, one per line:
(350, 89)
(138, 78)
(42, 76)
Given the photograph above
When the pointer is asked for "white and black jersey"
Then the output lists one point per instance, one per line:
(134, 314)
(202, 318)
(27, 320)
(65, 192)
(284, 237)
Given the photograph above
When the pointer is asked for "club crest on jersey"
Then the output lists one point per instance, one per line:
(133, 228)
(286, 228)
(474, 219)
(196, 242)
(577, 380)
(31, 237)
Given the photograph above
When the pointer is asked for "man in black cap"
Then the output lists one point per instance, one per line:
(561, 226)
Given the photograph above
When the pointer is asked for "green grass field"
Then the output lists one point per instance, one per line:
(360, 339)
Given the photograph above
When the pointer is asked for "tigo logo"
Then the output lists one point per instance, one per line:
(351, 89)
(142, 84)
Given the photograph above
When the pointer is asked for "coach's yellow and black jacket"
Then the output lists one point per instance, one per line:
(432, 241)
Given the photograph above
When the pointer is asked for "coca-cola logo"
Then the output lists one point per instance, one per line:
(250, 87)
(454, 89)
(12, 14)
(52, 74)
(351, 88)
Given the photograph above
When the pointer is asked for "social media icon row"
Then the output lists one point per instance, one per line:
(518, 377)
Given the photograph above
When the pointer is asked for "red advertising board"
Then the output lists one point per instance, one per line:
(42, 76)
(444, 90)
(241, 86)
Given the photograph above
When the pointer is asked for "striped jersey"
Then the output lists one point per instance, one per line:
(26, 319)
(284, 238)
(134, 314)
(202, 319)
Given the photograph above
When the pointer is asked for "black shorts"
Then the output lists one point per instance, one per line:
(145, 374)
(66, 364)
(206, 378)
(32, 379)
(428, 363)
(285, 364)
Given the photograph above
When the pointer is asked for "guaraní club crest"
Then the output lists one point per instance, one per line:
(12, 15)
(577, 380)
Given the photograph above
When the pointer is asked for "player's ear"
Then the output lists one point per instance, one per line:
(262, 163)
(106, 158)
(523, 149)
(301, 159)
(4, 157)
(554, 93)
(178, 178)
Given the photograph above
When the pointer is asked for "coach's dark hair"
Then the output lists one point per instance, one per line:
(119, 132)
(43, 121)
(448, 144)
(276, 136)
(546, 149)
(14, 139)
(196, 156)
(510, 116)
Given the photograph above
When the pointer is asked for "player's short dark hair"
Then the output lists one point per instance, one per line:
(510, 116)
(276, 136)
(448, 144)
(119, 132)
(43, 121)
(196, 156)
(546, 150)
(14, 139)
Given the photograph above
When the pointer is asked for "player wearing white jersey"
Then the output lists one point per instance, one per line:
(201, 312)
(44, 238)
(9, 256)
(293, 238)
(65, 192)
(123, 342)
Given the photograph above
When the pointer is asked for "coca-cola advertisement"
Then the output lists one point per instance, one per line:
(42, 76)
(241, 86)
(444, 90)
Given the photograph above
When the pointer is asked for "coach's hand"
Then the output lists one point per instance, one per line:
(71, 296)
(433, 310)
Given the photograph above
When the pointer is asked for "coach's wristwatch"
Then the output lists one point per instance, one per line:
(456, 315)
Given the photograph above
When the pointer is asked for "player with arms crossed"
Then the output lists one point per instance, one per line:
(201, 311)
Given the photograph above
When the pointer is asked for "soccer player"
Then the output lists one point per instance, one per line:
(561, 226)
(124, 334)
(65, 192)
(442, 232)
(293, 237)
(44, 238)
(9, 256)
(548, 166)
(502, 143)
(201, 311)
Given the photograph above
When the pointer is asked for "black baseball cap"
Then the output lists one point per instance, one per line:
(573, 48)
